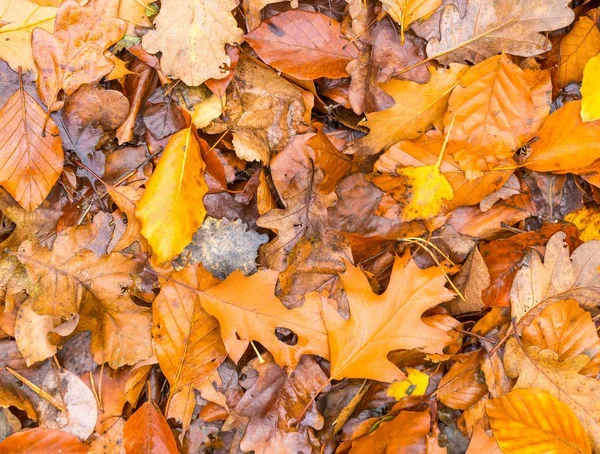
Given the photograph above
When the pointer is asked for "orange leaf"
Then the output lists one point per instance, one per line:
(147, 431)
(36, 441)
(576, 48)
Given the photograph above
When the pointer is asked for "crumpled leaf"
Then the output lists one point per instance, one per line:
(30, 160)
(223, 246)
(42, 440)
(576, 48)
(558, 277)
(247, 309)
(532, 419)
(147, 430)
(74, 54)
(80, 415)
(491, 26)
(274, 400)
(171, 208)
(194, 50)
(417, 108)
(187, 341)
(590, 99)
(379, 324)
(303, 44)
(264, 111)
(21, 18)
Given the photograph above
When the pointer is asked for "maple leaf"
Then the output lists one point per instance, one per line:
(31, 160)
(20, 19)
(418, 106)
(576, 49)
(147, 430)
(247, 309)
(379, 324)
(534, 419)
(74, 54)
(541, 369)
(303, 44)
(171, 208)
(187, 340)
(488, 27)
(194, 50)
(275, 399)
(558, 277)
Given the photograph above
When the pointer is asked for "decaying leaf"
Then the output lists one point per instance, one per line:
(576, 49)
(147, 430)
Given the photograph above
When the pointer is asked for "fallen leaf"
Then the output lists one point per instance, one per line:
(263, 111)
(278, 397)
(558, 277)
(417, 108)
(164, 119)
(194, 51)
(590, 100)
(111, 441)
(405, 12)
(587, 221)
(489, 27)
(576, 49)
(415, 385)
(303, 44)
(21, 18)
(110, 386)
(255, 312)
(136, 11)
(482, 443)
(472, 280)
(533, 420)
(171, 208)
(30, 160)
(147, 431)
(74, 54)
(379, 324)
(36, 440)
(460, 387)
(187, 340)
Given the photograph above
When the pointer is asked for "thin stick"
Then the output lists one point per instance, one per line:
(36, 389)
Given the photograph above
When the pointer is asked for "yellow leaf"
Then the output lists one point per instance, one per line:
(206, 111)
(576, 48)
(532, 421)
(120, 69)
(587, 221)
(405, 12)
(172, 208)
(22, 16)
(590, 90)
(415, 385)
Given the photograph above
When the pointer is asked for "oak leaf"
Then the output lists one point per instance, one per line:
(379, 324)
(147, 430)
(417, 108)
(21, 18)
(187, 340)
(558, 277)
(194, 50)
(541, 369)
(565, 141)
(576, 49)
(303, 44)
(590, 99)
(171, 208)
(31, 160)
(489, 27)
(532, 420)
(74, 54)
(276, 398)
(247, 309)
(493, 107)
(38, 440)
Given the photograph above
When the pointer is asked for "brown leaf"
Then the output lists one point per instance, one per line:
(275, 400)
(147, 431)
(576, 48)
(461, 387)
(164, 119)
(304, 45)
(74, 54)
(34, 441)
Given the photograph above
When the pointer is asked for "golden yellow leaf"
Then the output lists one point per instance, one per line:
(415, 385)
(30, 163)
(194, 49)
(576, 48)
(119, 70)
(418, 106)
(405, 12)
(532, 421)
(15, 37)
(590, 91)
(172, 207)
(587, 220)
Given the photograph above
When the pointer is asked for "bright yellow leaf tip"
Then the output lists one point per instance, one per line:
(415, 385)
(590, 90)
(172, 206)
